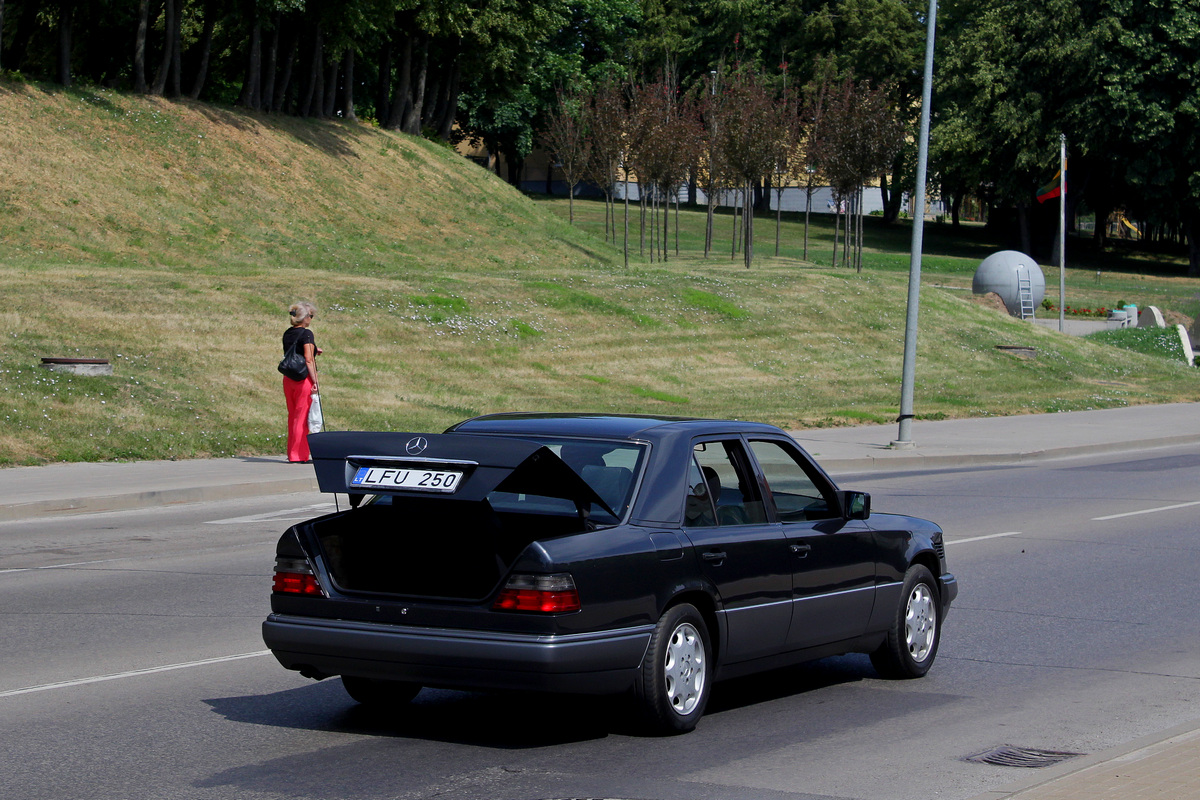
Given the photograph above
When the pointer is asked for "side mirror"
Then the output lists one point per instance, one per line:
(856, 505)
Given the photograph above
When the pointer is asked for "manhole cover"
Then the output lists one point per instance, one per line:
(1030, 757)
(1020, 351)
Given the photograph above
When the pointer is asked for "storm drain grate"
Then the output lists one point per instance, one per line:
(1029, 757)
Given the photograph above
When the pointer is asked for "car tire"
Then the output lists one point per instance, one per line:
(916, 628)
(676, 672)
(379, 694)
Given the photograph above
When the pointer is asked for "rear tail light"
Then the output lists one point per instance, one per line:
(295, 576)
(544, 594)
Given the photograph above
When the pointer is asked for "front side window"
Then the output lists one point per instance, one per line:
(797, 495)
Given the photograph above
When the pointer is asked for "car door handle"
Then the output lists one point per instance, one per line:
(801, 550)
(715, 556)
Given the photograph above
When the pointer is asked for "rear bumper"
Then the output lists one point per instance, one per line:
(587, 663)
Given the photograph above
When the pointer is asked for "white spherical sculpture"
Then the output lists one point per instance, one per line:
(1002, 272)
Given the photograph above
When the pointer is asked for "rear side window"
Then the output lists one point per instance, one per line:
(730, 483)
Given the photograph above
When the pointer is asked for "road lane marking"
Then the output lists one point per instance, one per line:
(304, 512)
(1147, 511)
(949, 542)
(63, 566)
(45, 687)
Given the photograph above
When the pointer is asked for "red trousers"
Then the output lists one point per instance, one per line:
(299, 398)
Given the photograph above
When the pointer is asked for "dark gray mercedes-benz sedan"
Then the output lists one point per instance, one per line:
(595, 554)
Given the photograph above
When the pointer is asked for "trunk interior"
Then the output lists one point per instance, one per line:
(431, 548)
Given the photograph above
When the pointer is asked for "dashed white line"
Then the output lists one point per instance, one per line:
(949, 542)
(62, 566)
(304, 512)
(45, 687)
(1147, 511)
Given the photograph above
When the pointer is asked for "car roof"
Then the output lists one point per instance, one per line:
(607, 426)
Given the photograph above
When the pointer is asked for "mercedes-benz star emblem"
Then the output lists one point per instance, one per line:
(416, 445)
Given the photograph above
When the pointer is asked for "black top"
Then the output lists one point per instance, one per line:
(300, 337)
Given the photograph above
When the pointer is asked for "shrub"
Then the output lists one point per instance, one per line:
(1151, 341)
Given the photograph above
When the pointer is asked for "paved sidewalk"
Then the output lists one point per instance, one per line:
(1162, 766)
(57, 489)
(28, 492)
(1003, 440)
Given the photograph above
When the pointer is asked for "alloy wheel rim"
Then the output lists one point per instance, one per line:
(685, 669)
(920, 623)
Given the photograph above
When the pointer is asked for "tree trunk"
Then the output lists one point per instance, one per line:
(383, 90)
(626, 219)
(778, 217)
(1, 34)
(807, 212)
(837, 227)
(176, 80)
(892, 199)
(450, 108)
(26, 23)
(249, 97)
(412, 122)
(1023, 228)
(738, 202)
(210, 20)
(858, 201)
(66, 10)
(1191, 230)
(400, 100)
(884, 194)
(348, 94)
(329, 106)
(267, 84)
(708, 224)
(516, 167)
(284, 83)
(159, 87)
(309, 103)
(139, 47)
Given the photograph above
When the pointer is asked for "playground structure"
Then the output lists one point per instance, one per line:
(1119, 226)
(1015, 278)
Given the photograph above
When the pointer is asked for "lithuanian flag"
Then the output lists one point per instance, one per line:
(1052, 189)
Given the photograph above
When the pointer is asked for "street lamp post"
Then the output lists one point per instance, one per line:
(904, 439)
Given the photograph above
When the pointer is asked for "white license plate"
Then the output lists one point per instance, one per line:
(416, 480)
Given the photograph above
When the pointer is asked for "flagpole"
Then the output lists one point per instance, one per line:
(1062, 234)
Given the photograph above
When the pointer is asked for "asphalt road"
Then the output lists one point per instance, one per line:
(132, 665)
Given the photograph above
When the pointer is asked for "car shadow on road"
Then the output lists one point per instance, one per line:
(513, 720)
(794, 681)
(499, 720)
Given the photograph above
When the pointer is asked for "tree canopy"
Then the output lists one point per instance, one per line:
(1117, 77)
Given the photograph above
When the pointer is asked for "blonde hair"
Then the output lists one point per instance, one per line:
(301, 311)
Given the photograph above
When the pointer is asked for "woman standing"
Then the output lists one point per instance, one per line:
(298, 393)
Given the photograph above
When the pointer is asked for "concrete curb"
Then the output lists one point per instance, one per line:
(894, 461)
(1075, 768)
(11, 512)
(909, 461)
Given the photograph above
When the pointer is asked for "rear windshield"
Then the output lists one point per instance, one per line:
(609, 469)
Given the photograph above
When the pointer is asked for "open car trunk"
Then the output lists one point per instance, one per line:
(455, 540)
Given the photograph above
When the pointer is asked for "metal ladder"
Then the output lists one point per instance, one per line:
(1025, 293)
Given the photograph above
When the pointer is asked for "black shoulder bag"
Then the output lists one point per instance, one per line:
(293, 365)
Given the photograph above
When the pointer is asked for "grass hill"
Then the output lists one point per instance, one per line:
(171, 237)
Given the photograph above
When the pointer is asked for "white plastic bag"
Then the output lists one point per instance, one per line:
(316, 420)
